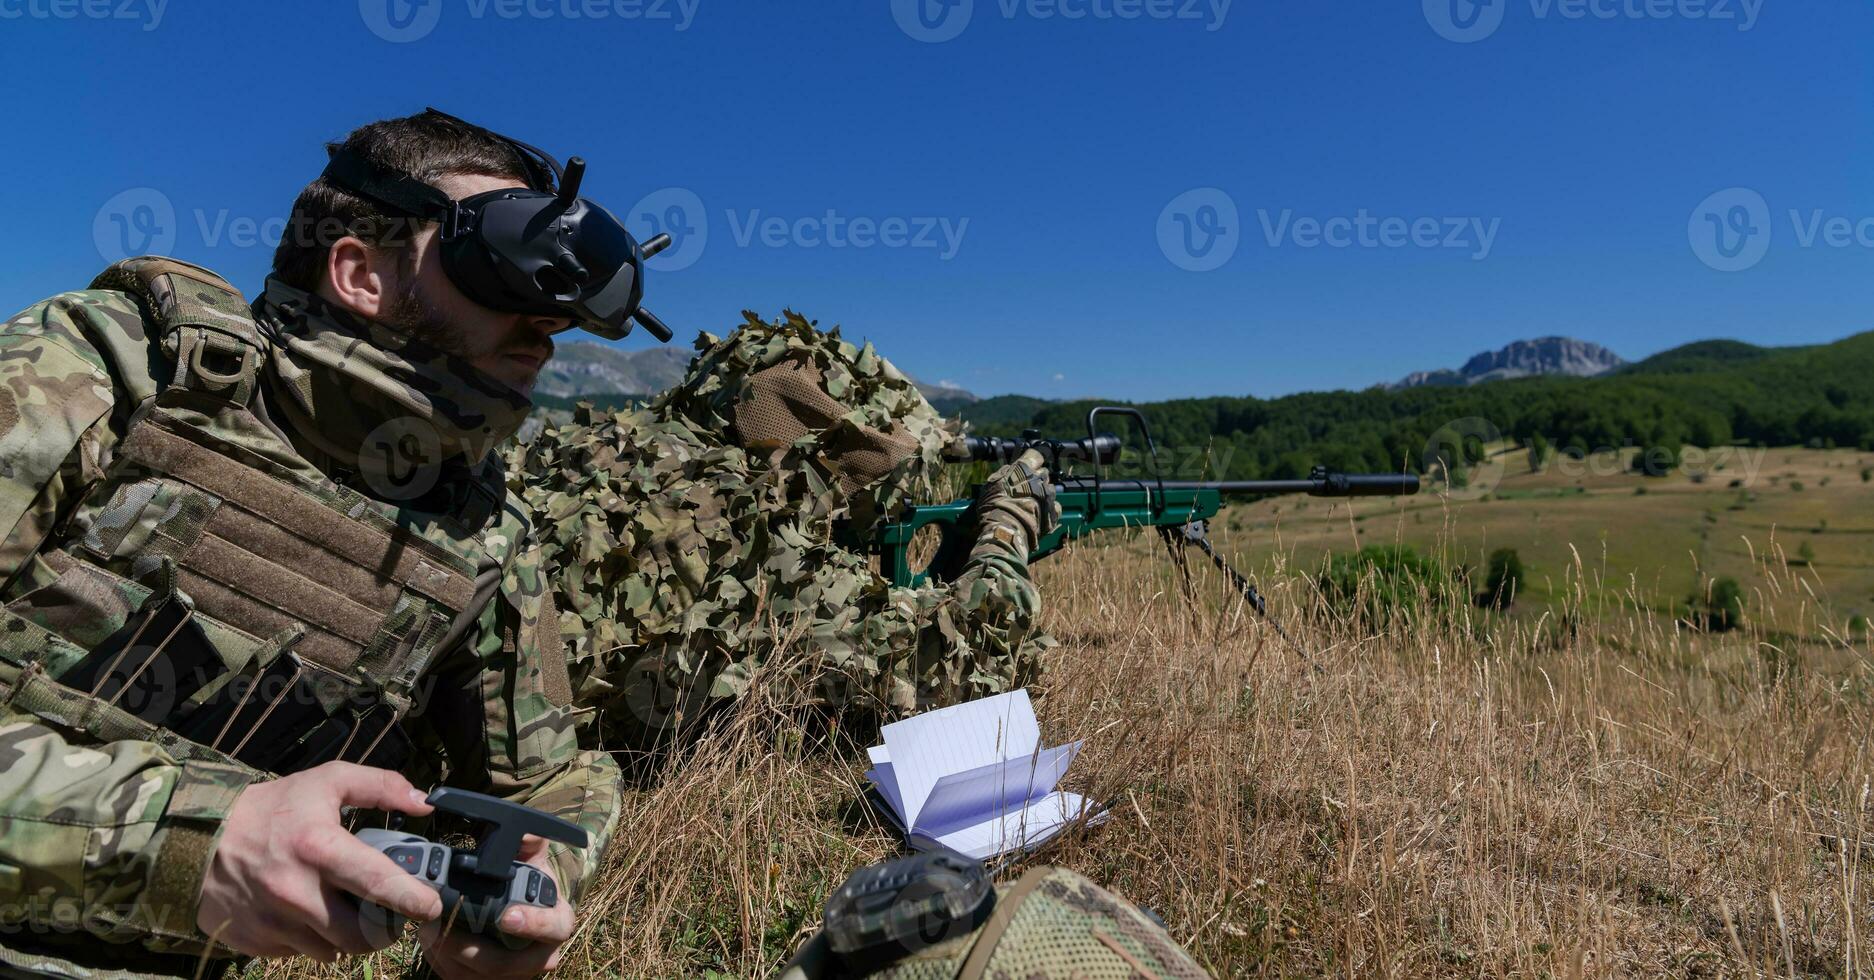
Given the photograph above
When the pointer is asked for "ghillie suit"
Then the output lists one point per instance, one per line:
(693, 540)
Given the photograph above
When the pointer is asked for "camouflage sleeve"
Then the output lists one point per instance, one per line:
(976, 635)
(965, 639)
(114, 837)
(55, 405)
(510, 729)
(930, 645)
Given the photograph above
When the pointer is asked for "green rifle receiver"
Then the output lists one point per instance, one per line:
(1177, 508)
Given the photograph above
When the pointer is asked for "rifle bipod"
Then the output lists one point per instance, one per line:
(1198, 533)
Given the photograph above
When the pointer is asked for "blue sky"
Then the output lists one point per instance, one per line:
(1037, 195)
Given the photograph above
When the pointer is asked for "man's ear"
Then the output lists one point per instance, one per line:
(360, 278)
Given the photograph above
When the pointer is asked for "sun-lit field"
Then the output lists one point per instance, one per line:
(1743, 513)
(1580, 787)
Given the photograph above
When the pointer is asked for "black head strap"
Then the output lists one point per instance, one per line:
(543, 171)
(395, 191)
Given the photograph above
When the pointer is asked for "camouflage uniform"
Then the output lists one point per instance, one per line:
(693, 539)
(314, 494)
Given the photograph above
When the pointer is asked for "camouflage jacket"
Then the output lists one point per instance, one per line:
(685, 563)
(106, 821)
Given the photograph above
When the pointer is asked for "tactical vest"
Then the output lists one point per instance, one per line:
(217, 593)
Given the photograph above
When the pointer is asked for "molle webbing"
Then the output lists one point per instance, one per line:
(272, 555)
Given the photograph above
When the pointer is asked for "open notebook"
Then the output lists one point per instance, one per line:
(974, 778)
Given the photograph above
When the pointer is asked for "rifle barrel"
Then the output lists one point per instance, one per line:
(1329, 485)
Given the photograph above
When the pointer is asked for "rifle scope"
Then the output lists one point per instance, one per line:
(1103, 449)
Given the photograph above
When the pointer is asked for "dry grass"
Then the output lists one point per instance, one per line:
(1589, 794)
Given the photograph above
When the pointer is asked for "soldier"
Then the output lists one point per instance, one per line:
(693, 540)
(259, 566)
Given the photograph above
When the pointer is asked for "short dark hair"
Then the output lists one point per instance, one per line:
(425, 146)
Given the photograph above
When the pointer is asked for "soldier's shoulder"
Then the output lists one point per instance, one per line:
(114, 326)
(81, 327)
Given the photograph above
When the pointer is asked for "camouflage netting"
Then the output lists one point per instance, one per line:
(785, 385)
(688, 543)
(1055, 923)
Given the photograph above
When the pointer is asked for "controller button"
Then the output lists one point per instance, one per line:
(407, 858)
(533, 885)
(435, 863)
(548, 893)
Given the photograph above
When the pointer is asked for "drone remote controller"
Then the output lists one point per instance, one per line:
(476, 887)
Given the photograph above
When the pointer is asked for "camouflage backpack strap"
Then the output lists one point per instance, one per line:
(204, 324)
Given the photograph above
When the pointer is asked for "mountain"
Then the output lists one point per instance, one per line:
(1006, 412)
(946, 397)
(587, 370)
(585, 367)
(1523, 359)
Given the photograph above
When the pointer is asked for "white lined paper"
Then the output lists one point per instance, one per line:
(973, 777)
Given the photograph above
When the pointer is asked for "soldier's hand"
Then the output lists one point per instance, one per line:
(1018, 497)
(459, 954)
(284, 875)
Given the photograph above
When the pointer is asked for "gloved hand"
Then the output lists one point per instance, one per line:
(1015, 508)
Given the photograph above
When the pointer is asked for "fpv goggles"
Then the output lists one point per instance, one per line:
(524, 250)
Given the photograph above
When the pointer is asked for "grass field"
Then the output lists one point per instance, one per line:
(1661, 537)
(1578, 788)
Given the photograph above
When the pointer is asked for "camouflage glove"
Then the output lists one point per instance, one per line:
(1014, 509)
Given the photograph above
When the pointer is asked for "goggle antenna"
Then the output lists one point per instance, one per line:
(569, 183)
